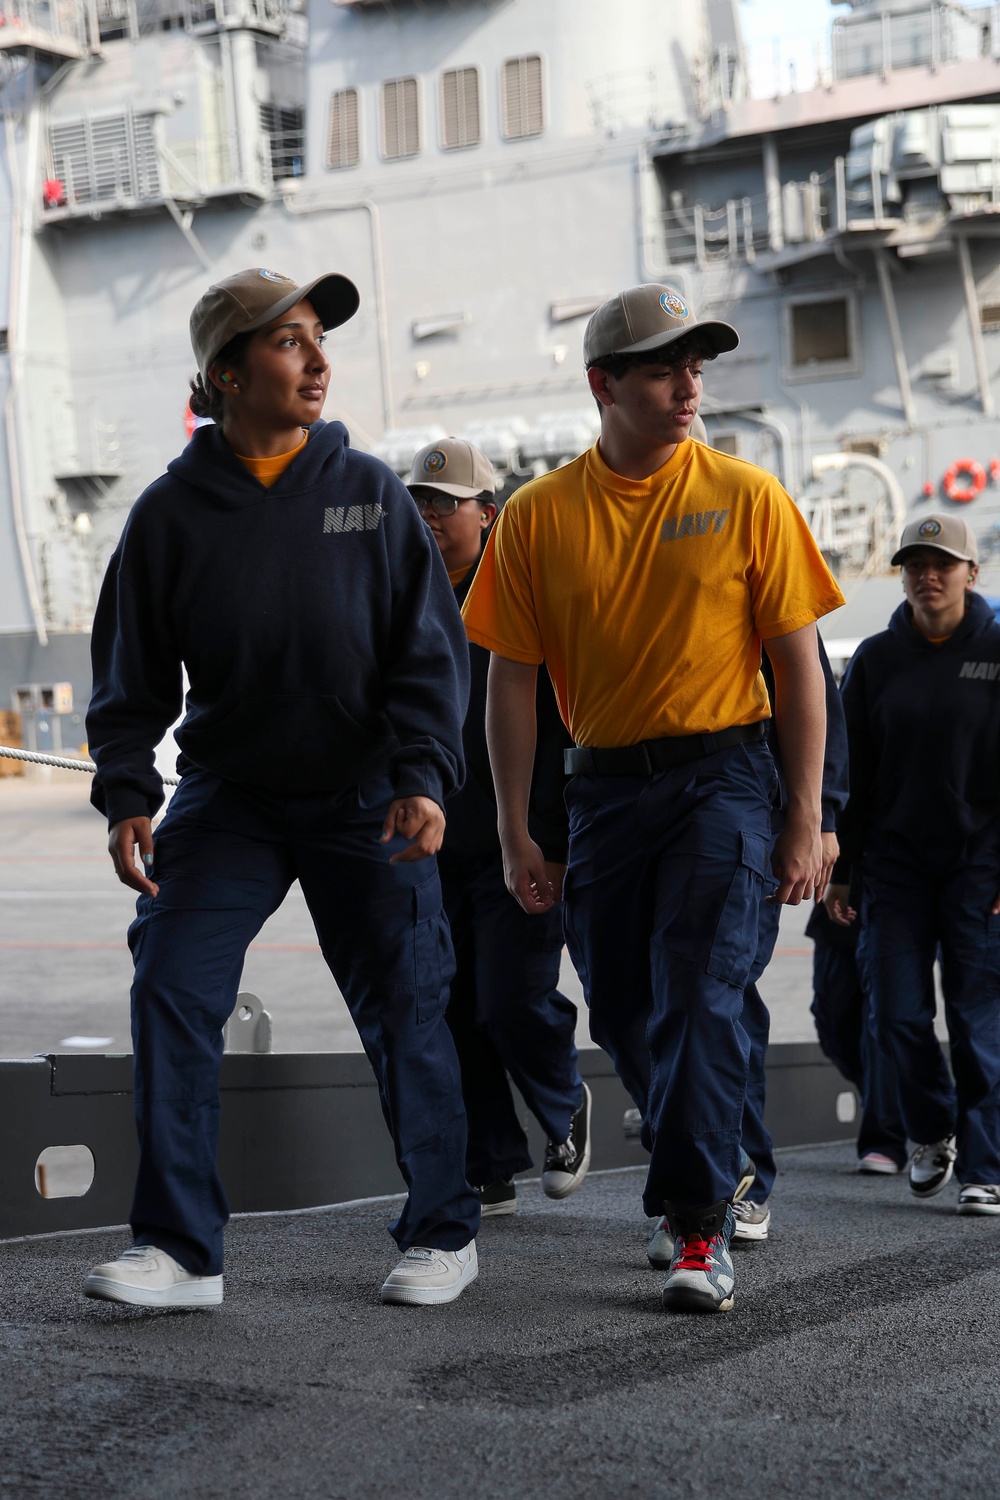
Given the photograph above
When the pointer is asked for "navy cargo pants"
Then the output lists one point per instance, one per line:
(907, 911)
(507, 1015)
(225, 857)
(757, 1142)
(662, 898)
(845, 1029)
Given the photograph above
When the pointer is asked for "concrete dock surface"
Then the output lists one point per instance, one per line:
(65, 971)
(862, 1358)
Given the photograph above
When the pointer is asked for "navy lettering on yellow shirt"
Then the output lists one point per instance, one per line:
(697, 523)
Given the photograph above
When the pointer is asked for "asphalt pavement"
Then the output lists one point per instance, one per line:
(862, 1358)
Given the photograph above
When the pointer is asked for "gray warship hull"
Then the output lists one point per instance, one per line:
(487, 173)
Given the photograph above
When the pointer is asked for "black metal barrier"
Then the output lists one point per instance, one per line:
(304, 1129)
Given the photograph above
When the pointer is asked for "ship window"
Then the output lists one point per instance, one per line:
(284, 129)
(871, 447)
(521, 97)
(460, 118)
(400, 119)
(113, 19)
(343, 141)
(109, 159)
(4, 345)
(989, 317)
(821, 337)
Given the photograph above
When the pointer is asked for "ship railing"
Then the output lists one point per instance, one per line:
(743, 228)
(874, 45)
(20, 19)
(135, 18)
(818, 210)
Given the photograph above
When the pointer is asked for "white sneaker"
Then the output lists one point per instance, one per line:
(877, 1164)
(430, 1276)
(979, 1198)
(660, 1249)
(753, 1220)
(147, 1277)
(931, 1167)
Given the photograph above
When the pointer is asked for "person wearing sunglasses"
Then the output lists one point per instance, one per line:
(506, 1011)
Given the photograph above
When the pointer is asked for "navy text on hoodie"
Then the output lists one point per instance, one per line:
(315, 619)
(923, 729)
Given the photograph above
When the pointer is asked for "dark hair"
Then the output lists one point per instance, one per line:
(691, 347)
(206, 399)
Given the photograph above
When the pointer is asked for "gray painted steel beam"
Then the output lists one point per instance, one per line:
(303, 1129)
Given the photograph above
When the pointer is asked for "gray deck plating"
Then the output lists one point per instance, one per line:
(861, 1358)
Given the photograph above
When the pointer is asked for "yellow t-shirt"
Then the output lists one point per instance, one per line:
(648, 599)
(270, 470)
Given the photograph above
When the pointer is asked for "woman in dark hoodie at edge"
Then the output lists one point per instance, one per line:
(922, 702)
(328, 672)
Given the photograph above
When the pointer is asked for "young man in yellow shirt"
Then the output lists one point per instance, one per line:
(645, 575)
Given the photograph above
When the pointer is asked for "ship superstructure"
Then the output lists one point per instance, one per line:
(488, 171)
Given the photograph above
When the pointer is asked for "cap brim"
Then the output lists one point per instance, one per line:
(722, 336)
(335, 299)
(458, 491)
(898, 557)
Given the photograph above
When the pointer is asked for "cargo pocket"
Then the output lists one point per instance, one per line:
(735, 941)
(431, 949)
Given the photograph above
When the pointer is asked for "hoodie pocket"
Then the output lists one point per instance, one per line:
(287, 742)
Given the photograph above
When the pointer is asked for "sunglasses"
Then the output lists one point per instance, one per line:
(441, 505)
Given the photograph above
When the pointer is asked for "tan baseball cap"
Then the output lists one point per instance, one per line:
(455, 467)
(252, 298)
(650, 316)
(945, 533)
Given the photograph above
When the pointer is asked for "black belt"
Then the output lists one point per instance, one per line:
(650, 756)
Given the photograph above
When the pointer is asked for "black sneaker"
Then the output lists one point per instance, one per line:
(566, 1163)
(498, 1198)
(931, 1167)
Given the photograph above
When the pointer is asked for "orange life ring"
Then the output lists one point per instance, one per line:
(964, 492)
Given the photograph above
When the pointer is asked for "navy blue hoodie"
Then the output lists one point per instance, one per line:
(923, 727)
(316, 621)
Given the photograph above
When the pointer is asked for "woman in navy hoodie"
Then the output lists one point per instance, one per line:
(328, 670)
(922, 702)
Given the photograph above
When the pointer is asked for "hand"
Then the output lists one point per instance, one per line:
(420, 821)
(837, 904)
(555, 874)
(527, 876)
(831, 853)
(995, 908)
(797, 862)
(122, 841)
